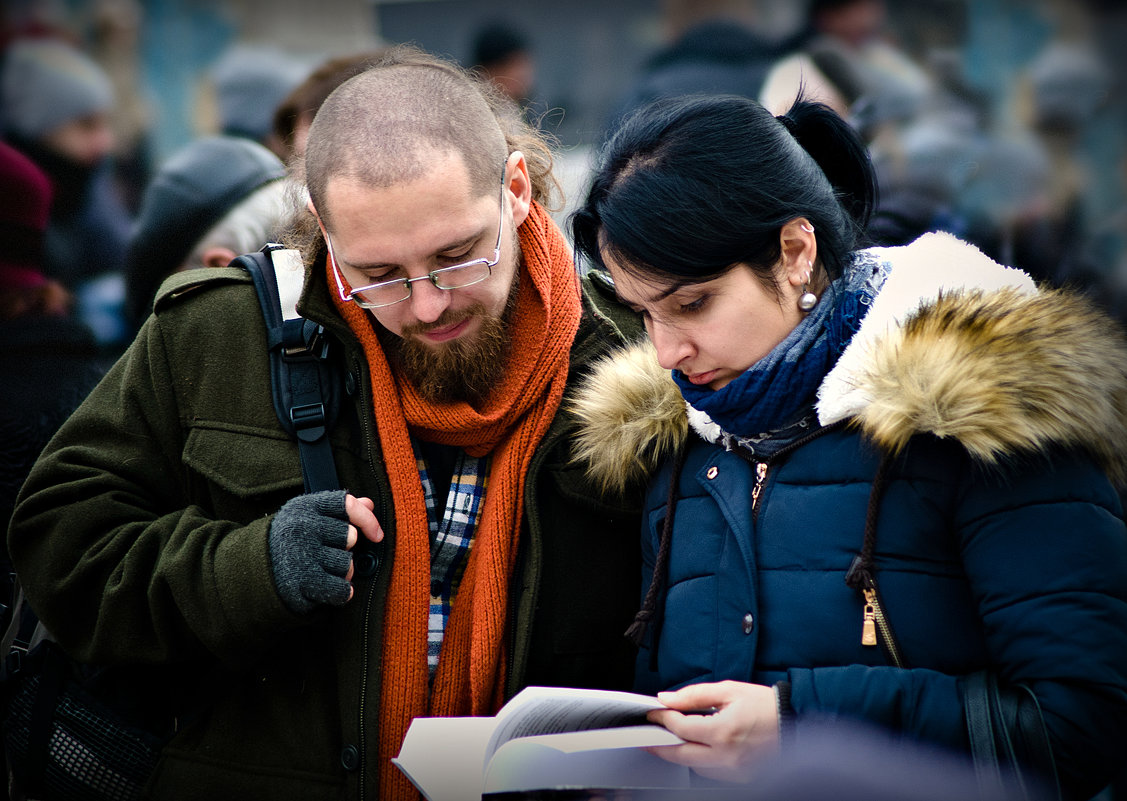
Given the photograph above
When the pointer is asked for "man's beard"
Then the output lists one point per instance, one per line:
(464, 369)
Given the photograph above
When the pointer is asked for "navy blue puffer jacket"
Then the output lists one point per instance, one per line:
(999, 540)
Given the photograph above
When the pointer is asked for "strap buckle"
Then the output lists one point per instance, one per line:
(302, 339)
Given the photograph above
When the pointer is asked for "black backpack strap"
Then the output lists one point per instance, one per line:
(19, 637)
(301, 374)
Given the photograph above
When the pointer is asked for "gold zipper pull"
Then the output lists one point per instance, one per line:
(869, 622)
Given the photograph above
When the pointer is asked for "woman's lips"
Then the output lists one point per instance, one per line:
(701, 378)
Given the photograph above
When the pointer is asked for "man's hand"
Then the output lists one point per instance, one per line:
(310, 539)
(727, 743)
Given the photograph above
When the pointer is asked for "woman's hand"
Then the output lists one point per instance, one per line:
(726, 744)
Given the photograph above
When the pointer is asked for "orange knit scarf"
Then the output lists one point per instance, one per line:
(471, 667)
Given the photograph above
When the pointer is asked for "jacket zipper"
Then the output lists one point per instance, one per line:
(365, 660)
(760, 480)
(363, 391)
(873, 621)
(762, 467)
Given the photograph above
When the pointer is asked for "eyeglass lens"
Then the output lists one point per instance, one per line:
(457, 277)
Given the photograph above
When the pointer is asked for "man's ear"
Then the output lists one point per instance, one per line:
(519, 186)
(312, 210)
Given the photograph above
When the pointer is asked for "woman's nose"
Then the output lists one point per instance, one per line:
(671, 344)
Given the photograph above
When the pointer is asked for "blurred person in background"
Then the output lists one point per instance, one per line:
(712, 47)
(55, 107)
(214, 199)
(49, 360)
(114, 43)
(1108, 248)
(250, 82)
(1063, 90)
(295, 113)
(503, 56)
(844, 55)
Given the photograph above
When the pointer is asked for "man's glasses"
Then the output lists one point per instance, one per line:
(458, 276)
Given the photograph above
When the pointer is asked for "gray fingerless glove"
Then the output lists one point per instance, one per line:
(308, 539)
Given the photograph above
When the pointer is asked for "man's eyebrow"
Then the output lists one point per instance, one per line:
(386, 265)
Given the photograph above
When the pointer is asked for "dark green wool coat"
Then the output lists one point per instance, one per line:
(141, 539)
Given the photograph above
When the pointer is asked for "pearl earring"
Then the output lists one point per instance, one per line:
(808, 300)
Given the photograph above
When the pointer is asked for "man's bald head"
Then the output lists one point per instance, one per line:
(380, 126)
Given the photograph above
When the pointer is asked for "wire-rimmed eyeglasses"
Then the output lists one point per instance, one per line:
(457, 276)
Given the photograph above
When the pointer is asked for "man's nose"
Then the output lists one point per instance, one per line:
(428, 302)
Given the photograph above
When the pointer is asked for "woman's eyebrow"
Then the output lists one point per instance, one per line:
(672, 289)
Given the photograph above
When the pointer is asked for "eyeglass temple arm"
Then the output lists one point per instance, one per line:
(344, 296)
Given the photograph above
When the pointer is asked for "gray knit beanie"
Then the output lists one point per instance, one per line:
(45, 84)
(250, 82)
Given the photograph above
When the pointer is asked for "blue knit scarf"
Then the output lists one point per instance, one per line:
(780, 386)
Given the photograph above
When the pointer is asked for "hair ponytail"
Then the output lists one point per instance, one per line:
(837, 148)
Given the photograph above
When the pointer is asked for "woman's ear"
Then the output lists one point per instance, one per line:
(799, 249)
(519, 185)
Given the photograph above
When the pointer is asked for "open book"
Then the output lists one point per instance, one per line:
(544, 738)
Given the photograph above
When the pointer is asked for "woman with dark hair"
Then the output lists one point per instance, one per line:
(879, 481)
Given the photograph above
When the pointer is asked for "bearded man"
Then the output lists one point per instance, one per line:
(165, 531)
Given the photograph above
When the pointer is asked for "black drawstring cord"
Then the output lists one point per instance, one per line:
(860, 575)
(648, 612)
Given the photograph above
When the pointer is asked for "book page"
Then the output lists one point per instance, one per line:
(550, 710)
(598, 758)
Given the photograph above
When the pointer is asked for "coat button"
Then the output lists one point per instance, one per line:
(749, 623)
(350, 758)
(366, 563)
(350, 383)
(712, 473)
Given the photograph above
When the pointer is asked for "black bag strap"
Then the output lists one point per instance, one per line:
(301, 375)
(19, 637)
(1008, 739)
(51, 677)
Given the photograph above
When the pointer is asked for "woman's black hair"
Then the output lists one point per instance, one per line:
(688, 187)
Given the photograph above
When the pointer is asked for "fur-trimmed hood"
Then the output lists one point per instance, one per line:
(954, 345)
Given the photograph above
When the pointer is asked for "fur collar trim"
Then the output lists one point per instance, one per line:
(955, 345)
